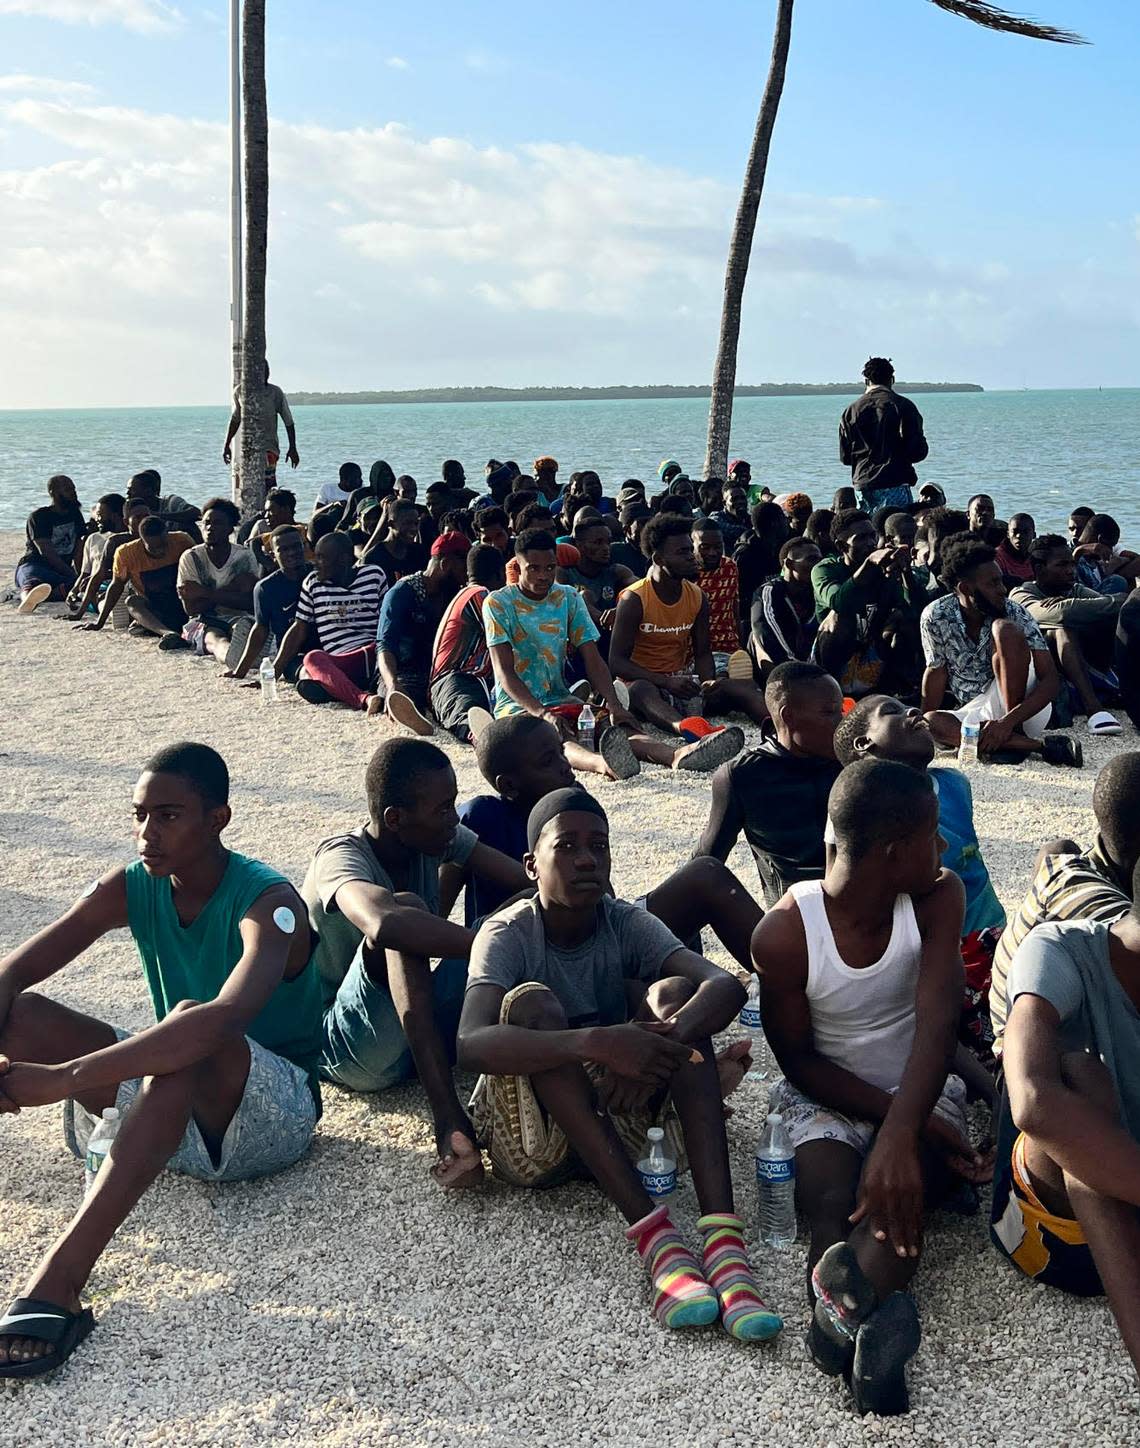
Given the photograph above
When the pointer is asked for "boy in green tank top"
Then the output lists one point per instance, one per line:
(223, 1087)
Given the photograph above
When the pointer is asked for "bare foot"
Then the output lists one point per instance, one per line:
(732, 1065)
(375, 705)
(460, 1166)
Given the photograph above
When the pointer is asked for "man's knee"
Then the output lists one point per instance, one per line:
(706, 874)
(537, 1010)
(667, 996)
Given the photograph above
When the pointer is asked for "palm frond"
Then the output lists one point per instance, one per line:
(993, 17)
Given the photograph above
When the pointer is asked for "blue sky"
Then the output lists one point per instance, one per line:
(516, 193)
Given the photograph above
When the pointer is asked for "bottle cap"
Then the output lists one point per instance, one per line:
(656, 1134)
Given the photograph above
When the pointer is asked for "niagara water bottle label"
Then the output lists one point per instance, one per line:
(750, 1015)
(659, 1184)
(775, 1169)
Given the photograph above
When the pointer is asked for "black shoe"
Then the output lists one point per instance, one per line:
(1062, 749)
(883, 1346)
(312, 692)
(830, 1354)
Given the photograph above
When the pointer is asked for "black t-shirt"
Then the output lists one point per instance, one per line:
(414, 561)
(630, 557)
(64, 530)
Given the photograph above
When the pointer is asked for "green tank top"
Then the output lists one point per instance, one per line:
(193, 962)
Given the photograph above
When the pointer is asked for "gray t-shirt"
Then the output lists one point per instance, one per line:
(196, 566)
(1068, 965)
(589, 982)
(343, 858)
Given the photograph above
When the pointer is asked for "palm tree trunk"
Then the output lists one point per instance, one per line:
(740, 250)
(254, 394)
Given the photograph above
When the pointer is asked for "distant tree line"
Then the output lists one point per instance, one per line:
(608, 394)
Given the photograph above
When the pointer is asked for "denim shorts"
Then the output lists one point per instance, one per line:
(270, 1130)
(365, 1047)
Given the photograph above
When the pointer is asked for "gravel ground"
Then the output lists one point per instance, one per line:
(347, 1301)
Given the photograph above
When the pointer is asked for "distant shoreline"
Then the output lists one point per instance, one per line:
(608, 394)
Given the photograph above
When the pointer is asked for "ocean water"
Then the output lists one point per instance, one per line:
(1038, 452)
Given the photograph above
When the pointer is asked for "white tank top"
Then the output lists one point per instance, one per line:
(862, 1020)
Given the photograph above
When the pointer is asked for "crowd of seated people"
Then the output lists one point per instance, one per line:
(896, 991)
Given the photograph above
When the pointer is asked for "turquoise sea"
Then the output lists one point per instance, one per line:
(1040, 452)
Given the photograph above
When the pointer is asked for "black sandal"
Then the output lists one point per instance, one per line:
(31, 1317)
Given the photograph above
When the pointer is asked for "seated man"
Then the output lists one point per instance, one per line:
(980, 512)
(523, 760)
(596, 577)
(880, 727)
(1066, 1203)
(179, 515)
(589, 1015)
(223, 1088)
(150, 565)
(862, 984)
(55, 534)
(109, 524)
(783, 612)
(732, 518)
(1101, 563)
(990, 654)
(409, 618)
(280, 511)
(338, 611)
(1074, 884)
(461, 672)
(1013, 552)
(395, 543)
(494, 529)
(275, 600)
(215, 584)
(1078, 621)
(627, 551)
(661, 646)
(867, 602)
(777, 793)
(374, 902)
(719, 581)
(134, 511)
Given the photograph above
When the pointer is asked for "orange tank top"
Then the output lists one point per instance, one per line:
(664, 642)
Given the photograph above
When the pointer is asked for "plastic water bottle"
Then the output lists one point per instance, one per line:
(968, 747)
(658, 1172)
(268, 679)
(586, 728)
(99, 1144)
(750, 1020)
(776, 1183)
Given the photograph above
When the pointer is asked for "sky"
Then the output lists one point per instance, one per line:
(520, 194)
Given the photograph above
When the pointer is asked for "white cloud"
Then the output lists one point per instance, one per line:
(38, 85)
(146, 16)
(402, 260)
(397, 62)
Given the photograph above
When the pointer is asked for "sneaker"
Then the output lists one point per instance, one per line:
(478, 719)
(402, 709)
(312, 692)
(617, 751)
(740, 666)
(171, 642)
(884, 1345)
(33, 597)
(1062, 749)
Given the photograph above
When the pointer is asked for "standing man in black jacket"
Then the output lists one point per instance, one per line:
(881, 439)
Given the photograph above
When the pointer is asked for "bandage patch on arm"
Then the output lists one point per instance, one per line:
(284, 919)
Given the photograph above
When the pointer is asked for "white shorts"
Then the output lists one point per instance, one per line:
(991, 705)
(806, 1120)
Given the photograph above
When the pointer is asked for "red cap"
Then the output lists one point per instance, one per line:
(451, 545)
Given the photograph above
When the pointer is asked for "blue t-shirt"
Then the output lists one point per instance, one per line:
(963, 854)
(408, 620)
(275, 603)
(501, 825)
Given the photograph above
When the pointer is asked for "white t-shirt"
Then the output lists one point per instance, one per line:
(196, 566)
(330, 493)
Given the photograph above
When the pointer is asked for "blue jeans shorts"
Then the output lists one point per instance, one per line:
(365, 1046)
(270, 1130)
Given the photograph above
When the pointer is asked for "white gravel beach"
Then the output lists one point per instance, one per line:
(348, 1301)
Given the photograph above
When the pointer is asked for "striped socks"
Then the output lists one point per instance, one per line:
(681, 1296)
(726, 1263)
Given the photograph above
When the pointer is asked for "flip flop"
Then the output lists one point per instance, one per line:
(403, 710)
(713, 750)
(34, 597)
(41, 1321)
(1062, 749)
(616, 750)
(1104, 723)
(621, 692)
(581, 691)
(740, 665)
